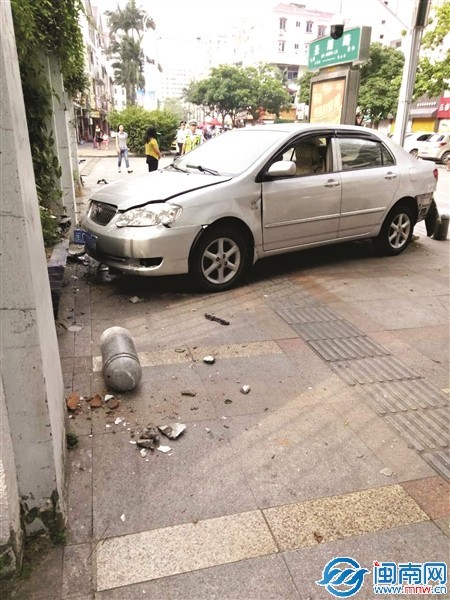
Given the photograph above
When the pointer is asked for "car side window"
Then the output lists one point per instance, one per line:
(363, 154)
(311, 155)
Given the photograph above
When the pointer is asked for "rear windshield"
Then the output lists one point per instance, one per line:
(438, 137)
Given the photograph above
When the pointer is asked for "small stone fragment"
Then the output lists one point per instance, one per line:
(143, 452)
(190, 393)
(135, 299)
(113, 403)
(107, 397)
(164, 449)
(119, 420)
(388, 472)
(133, 442)
(172, 430)
(228, 401)
(209, 360)
(95, 401)
(74, 328)
(73, 401)
(318, 537)
(245, 389)
(122, 517)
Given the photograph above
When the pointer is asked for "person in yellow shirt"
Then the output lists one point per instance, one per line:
(152, 152)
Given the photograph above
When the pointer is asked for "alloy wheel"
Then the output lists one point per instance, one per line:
(399, 230)
(221, 260)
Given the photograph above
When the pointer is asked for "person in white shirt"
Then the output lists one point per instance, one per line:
(122, 148)
(181, 137)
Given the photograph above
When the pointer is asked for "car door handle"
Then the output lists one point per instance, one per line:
(390, 175)
(332, 183)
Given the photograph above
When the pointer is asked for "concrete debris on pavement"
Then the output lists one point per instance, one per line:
(74, 328)
(172, 430)
(216, 319)
(73, 401)
(164, 449)
(388, 472)
(209, 360)
(135, 299)
(149, 437)
(96, 401)
(190, 393)
(119, 420)
(245, 389)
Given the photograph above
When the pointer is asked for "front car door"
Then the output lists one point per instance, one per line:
(370, 179)
(304, 208)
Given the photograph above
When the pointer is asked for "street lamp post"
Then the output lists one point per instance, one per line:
(419, 22)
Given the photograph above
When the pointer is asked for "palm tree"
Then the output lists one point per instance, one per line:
(127, 27)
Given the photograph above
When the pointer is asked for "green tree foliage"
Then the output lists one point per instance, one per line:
(231, 89)
(47, 28)
(136, 120)
(433, 73)
(175, 106)
(128, 26)
(305, 83)
(381, 78)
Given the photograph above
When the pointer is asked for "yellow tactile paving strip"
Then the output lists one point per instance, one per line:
(182, 355)
(159, 553)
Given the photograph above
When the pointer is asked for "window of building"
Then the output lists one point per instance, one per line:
(306, 48)
(321, 30)
(296, 46)
(292, 74)
(381, 36)
(283, 24)
(383, 22)
(281, 46)
(297, 24)
(309, 26)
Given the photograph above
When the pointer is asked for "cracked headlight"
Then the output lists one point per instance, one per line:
(152, 214)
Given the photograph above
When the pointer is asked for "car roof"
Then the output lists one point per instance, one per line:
(292, 127)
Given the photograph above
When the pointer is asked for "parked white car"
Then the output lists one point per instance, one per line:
(437, 147)
(412, 141)
(255, 192)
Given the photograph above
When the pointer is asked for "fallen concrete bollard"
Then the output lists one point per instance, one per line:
(121, 367)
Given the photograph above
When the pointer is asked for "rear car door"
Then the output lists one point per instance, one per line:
(370, 179)
(304, 208)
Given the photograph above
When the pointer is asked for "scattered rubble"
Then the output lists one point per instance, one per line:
(216, 319)
(190, 393)
(245, 389)
(135, 299)
(172, 430)
(209, 360)
(164, 449)
(119, 420)
(228, 401)
(149, 438)
(96, 401)
(73, 401)
(74, 328)
(388, 472)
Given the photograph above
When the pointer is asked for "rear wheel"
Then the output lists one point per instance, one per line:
(445, 157)
(219, 259)
(396, 231)
(414, 152)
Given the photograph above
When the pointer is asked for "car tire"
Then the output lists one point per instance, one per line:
(219, 259)
(396, 232)
(445, 158)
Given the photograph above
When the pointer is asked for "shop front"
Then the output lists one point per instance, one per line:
(423, 114)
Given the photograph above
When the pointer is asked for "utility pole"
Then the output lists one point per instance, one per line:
(414, 37)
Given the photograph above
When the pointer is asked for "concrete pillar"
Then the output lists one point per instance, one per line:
(60, 127)
(11, 535)
(30, 366)
(72, 125)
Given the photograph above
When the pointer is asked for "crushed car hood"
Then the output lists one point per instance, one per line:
(158, 186)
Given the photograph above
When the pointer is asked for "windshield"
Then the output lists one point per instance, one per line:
(231, 153)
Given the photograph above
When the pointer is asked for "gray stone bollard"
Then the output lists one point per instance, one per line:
(441, 231)
(121, 367)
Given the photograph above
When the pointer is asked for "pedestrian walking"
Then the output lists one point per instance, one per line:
(193, 138)
(97, 137)
(181, 137)
(152, 152)
(105, 139)
(122, 149)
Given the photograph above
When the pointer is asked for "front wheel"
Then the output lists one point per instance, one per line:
(396, 231)
(219, 259)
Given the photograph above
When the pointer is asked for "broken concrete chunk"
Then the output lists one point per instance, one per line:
(164, 449)
(113, 403)
(108, 397)
(73, 401)
(387, 472)
(74, 328)
(190, 393)
(172, 430)
(119, 420)
(135, 299)
(143, 452)
(245, 389)
(216, 319)
(209, 360)
(95, 401)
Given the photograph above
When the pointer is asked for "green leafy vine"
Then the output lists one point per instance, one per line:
(42, 29)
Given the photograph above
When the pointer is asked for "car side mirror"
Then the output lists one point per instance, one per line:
(282, 168)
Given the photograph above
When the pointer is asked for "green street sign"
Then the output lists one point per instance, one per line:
(352, 47)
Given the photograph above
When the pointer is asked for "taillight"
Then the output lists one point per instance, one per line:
(436, 174)
(442, 144)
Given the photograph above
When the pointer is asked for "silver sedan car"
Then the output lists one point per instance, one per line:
(256, 192)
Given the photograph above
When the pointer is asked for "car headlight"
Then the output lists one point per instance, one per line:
(151, 214)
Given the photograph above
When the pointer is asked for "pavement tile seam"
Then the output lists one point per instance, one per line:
(137, 557)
